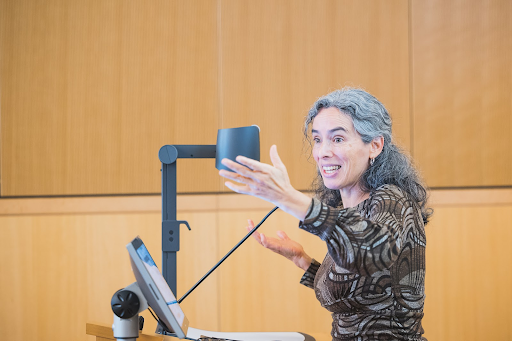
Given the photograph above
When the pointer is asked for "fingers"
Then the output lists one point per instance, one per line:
(272, 244)
(268, 243)
(250, 227)
(252, 164)
(244, 165)
(242, 189)
(243, 174)
(235, 166)
(250, 180)
(281, 246)
(268, 182)
(262, 167)
(237, 174)
(247, 167)
(262, 239)
(255, 234)
(276, 160)
(282, 235)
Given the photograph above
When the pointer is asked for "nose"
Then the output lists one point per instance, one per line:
(324, 150)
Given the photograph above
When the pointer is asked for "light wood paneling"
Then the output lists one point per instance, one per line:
(62, 268)
(462, 81)
(92, 89)
(198, 253)
(19, 293)
(213, 203)
(471, 197)
(126, 204)
(468, 274)
(278, 57)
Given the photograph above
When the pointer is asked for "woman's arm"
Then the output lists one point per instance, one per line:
(364, 245)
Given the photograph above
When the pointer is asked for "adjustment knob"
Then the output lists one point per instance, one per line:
(125, 304)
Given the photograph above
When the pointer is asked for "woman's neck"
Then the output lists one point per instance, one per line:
(353, 196)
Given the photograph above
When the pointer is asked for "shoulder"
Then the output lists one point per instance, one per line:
(390, 198)
(389, 192)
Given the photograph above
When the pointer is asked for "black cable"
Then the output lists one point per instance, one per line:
(228, 254)
(151, 311)
(165, 331)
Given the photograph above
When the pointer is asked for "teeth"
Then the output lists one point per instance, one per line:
(331, 169)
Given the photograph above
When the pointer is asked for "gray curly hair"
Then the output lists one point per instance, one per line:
(391, 166)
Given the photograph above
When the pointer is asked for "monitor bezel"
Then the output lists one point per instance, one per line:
(152, 293)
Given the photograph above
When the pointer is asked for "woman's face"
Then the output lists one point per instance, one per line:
(339, 152)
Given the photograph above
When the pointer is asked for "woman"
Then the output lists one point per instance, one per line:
(370, 209)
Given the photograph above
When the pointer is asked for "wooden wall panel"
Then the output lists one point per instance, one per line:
(278, 57)
(468, 273)
(92, 89)
(198, 254)
(461, 82)
(17, 278)
(62, 268)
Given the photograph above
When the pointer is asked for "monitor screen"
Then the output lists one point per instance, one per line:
(156, 290)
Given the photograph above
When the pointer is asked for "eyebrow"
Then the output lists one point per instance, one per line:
(331, 131)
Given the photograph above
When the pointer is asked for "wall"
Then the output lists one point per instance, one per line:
(90, 90)
(66, 258)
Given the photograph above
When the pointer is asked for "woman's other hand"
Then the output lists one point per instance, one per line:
(284, 246)
(270, 183)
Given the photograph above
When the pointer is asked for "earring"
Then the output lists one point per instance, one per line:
(372, 161)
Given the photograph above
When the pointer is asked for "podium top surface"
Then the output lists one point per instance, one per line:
(105, 332)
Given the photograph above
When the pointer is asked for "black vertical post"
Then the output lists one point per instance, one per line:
(170, 232)
(170, 226)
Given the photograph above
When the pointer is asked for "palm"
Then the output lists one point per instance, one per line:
(282, 245)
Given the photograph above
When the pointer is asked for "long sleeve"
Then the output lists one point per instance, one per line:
(364, 245)
(308, 278)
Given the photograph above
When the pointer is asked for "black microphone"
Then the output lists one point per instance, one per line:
(227, 255)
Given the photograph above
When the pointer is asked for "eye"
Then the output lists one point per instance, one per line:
(316, 139)
(338, 139)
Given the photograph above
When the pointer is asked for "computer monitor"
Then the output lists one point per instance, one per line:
(156, 290)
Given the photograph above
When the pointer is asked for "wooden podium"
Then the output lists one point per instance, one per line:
(104, 333)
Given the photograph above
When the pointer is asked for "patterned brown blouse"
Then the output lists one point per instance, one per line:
(373, 276)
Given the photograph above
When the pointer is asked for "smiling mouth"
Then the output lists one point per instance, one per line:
(330, 169)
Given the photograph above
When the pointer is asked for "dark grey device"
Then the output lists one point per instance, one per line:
(232, 142)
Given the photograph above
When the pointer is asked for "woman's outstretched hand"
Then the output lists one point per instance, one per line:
(270, 183)
(284, 246)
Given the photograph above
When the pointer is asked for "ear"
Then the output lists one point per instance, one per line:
(376, 146)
